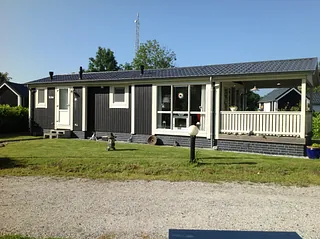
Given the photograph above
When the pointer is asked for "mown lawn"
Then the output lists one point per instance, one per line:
(83, 158)
(16, 137)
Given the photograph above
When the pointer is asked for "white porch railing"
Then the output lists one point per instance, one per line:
(284, 123)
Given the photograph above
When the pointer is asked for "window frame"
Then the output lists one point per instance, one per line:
(42, 104)
(117, 105)
(176, 130)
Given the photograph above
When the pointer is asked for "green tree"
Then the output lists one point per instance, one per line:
(104, 61)
(4, 77)
(252, 100)
(126, 66)
(153, 56)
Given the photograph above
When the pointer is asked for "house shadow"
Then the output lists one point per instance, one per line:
(6, 163)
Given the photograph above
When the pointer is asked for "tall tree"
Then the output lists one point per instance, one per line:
(126, 66)
(252, 100)
(104, 61)
(4, 77)
(153, 56)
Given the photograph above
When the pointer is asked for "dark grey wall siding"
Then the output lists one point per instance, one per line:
(77, 109)
(261, 147)
(101, 117)
(293, 98)
(8, 97)
(44, 118)
(143, 109)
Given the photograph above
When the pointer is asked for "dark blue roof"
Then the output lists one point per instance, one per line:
(273, 95)
(20, 89)
(274, 66)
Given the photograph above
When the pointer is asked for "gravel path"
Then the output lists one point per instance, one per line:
(83, 208)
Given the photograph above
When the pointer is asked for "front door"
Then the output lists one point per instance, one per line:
(63, 108)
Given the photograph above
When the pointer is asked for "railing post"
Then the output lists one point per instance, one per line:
(303, 107)
(217, 109)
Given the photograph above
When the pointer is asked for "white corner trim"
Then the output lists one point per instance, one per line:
(29, 104)
(132, 109)
(16, 93)
(217, 110)
(41, 105)
(154, 109)
(71, 99)
(84, 108)
(209, 103)
(124, 104)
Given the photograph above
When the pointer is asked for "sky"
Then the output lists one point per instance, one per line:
(38, 36)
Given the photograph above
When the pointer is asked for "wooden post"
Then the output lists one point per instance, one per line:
(217, 109)
(303, 107)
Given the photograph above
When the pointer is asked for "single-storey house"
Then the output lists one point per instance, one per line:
(281, 99)
(14, 94)
(136, 104)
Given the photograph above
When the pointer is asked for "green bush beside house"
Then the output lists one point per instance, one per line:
(13, 119)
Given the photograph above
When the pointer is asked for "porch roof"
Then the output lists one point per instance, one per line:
(245, 68)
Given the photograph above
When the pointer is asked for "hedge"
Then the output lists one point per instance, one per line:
(13, 119)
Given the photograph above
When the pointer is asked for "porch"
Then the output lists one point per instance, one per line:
(291, 126)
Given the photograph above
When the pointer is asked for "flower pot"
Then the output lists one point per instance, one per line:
(313, 153)
(233, 108)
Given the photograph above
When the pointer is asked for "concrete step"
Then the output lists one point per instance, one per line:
(57, 133)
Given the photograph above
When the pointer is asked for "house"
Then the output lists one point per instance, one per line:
(281, 99)
(316, 102)
(137, 104)
(14, 94)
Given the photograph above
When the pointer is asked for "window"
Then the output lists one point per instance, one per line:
(119, 97)
(178, 107)
(41, 98)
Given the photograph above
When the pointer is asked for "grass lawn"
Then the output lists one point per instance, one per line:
(16, 137)
(84, 158)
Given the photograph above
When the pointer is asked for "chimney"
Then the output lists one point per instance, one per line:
(142, 69)
(51, 75)
(80, 73)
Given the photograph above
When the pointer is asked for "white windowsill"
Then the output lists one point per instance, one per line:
(183, 132)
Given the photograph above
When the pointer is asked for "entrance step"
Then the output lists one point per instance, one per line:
(57, 133)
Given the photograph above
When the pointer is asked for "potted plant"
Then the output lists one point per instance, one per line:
(233, 108)
(313, 151)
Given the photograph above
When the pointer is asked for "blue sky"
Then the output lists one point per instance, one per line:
(39, 36)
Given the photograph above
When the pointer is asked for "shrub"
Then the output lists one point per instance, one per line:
(316, 125)
(13, 119)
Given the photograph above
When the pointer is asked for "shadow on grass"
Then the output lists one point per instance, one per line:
(225, 163)
(123, 150)
(224, 158)
(9, 163)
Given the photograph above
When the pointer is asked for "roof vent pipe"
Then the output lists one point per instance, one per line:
(142, 69)
(80, 72)
(51, 75)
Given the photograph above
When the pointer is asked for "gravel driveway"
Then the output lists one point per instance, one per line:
(83, 208)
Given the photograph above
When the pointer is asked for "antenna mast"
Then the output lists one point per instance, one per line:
(137, 44)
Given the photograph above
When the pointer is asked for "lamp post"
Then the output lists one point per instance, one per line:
(193, 131)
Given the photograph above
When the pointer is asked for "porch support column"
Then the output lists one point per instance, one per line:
(132, 109)
(29, 112)
(217, 109)
(222, 96)
(303, 107)
(84, 108)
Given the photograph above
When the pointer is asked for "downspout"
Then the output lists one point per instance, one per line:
(211, 112)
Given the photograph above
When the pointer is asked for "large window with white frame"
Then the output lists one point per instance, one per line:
(119, 97)
(179, 106)
(41, 98)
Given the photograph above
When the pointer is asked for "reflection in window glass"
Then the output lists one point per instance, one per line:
(164, 98)
(180, 98)
(163, 121)
(118, 94)
(41, 96)
(63, 99)
(197, 97)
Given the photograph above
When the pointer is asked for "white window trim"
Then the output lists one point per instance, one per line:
(124, 104)
(181, 132)
(41, 105)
